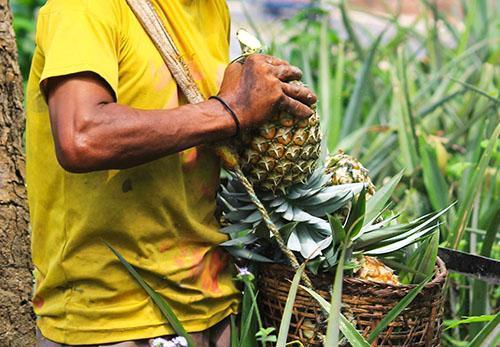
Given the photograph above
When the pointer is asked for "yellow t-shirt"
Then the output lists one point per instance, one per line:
(160, 215)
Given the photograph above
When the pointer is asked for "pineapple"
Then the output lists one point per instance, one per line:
(347, 169)
(373, 269)
(344, 169)
(301, 214)
(282, 156)
(282, 152)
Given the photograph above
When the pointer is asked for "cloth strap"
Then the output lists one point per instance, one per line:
(151, 22)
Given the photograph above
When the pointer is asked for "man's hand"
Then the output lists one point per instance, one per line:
(258, 89)
(93, 132)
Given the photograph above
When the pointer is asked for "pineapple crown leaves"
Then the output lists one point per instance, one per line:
(391, 238)
(377, 239)
(300, 214)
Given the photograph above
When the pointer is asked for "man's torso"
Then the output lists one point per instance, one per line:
(160, 215)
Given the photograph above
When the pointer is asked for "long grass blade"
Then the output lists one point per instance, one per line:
(471, 190)
(434, 182)
(333, 328)
(350, 31)
(248, 321)
(353, 110)
(378, 201)
(335, 119)
(325, 74)
(477, 90)
(406, 127)
(427, 262)
(490, 332)
(287, 312)
(235, 342)
(450, 324)
(349, 331)
(396, 310)
(160, 302)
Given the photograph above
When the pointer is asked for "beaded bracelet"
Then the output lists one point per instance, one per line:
(231, 112)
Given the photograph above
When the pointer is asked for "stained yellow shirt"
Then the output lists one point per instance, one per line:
(160, 215)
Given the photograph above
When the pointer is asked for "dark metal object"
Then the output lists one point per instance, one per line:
(483, 268)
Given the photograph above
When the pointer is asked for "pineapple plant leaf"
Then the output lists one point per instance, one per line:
(299, 214)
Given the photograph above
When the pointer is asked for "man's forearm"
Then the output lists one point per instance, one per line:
(92, 132)
(119, 137)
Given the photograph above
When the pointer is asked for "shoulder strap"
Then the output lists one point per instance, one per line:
(147, 16)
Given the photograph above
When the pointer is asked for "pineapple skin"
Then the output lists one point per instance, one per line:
(347, 169)
(373, 269)
(282, 152)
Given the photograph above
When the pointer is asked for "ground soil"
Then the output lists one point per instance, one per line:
(16, 316)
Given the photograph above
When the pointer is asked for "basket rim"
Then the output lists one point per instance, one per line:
(438, 278)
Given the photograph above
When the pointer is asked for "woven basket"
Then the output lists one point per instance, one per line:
(365, 304)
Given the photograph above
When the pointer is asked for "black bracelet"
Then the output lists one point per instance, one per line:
(231, 112)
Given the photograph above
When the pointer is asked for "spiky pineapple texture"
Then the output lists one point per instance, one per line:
(282, 152)
(346, 169)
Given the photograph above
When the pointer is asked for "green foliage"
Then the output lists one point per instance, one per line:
(428, 104)
(24, 22)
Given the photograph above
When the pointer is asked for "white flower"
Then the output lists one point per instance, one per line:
(159, 342)
(243, 271)
(178, 341)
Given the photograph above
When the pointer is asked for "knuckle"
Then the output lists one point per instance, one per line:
(282, 98)
(297, 90)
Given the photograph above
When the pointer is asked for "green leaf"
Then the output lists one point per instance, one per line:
(353, 110)
(477, 90)
(490, 330)
(287, 312)
(405, 122)
(338, 231)
(471, 190)
(235, 342)
(378, 201)
(333, 328)
(450, 324)
(357, 215)
(244, 253)
(396, 310)
(324, 67)
(160, 302)
(334, 123)
(427, 262)
(391, 246)
(434, 181)
(350, 31)
(349, 331)
(248, 323)
(240, 241)
(248, 316)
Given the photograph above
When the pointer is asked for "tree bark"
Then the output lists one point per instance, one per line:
(16, 315)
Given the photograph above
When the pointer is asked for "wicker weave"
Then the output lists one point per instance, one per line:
(365, 303)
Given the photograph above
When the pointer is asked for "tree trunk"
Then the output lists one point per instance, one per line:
(16, 315)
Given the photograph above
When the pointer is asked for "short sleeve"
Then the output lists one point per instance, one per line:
(76, 40)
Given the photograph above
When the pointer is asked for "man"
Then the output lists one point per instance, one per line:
(113, 153)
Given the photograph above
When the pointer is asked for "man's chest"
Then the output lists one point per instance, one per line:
(144, 79)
